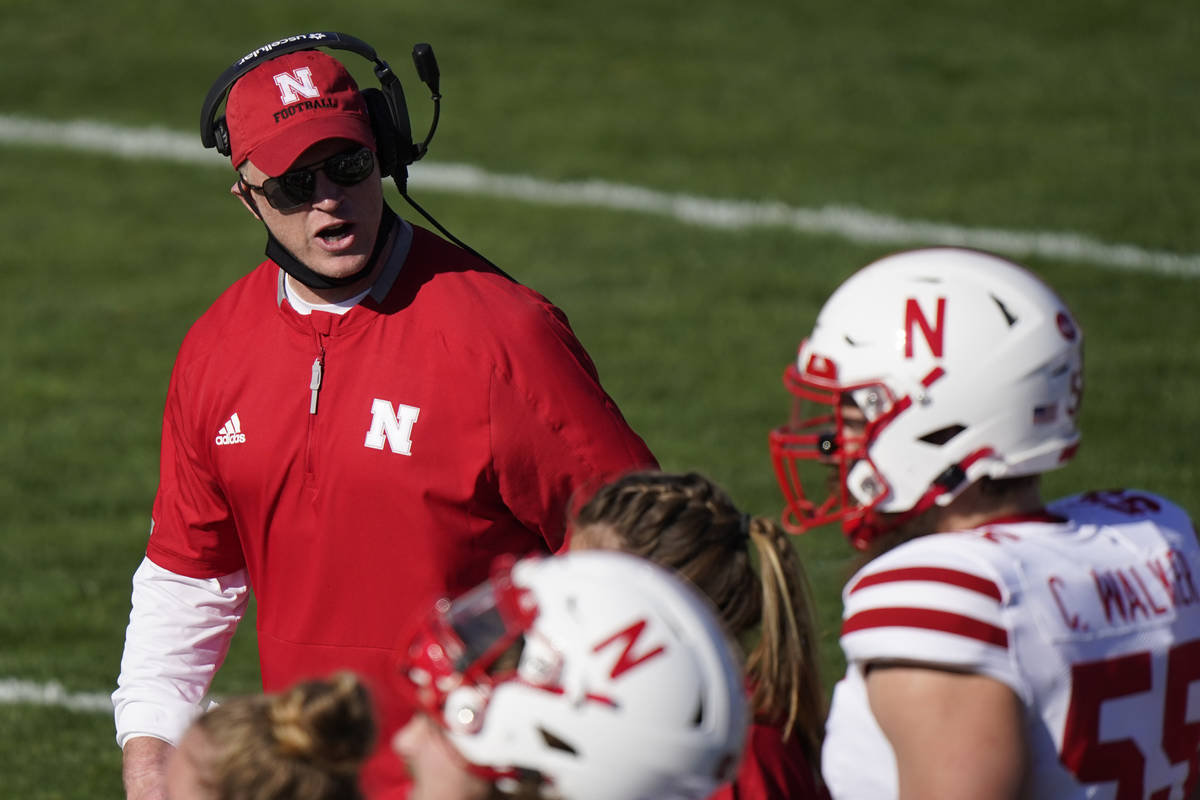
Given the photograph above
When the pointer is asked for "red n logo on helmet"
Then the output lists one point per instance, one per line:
(932, 333)
(627, 659)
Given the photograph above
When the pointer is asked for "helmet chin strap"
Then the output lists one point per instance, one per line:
(315, 280)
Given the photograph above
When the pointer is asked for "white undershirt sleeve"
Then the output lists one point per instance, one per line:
(178, 635)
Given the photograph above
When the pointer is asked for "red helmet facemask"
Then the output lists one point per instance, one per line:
(827, 436)
(456, 648)
(835, 426)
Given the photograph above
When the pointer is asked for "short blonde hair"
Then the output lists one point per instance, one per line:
(306, 743)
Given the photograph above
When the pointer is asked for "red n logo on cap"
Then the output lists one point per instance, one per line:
(293, 84)
(933, 334)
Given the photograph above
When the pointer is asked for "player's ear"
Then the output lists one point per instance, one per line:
(240, 191)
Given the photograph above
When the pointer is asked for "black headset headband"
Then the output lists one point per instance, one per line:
(389, 118)
(290, 44)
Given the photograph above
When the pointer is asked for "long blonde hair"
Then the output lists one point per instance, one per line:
(687, 523)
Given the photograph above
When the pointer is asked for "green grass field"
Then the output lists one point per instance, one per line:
(1078, 117)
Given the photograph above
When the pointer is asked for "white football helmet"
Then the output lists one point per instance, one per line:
(626, 686)
(926, 371)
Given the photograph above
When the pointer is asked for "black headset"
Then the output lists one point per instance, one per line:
(386, 107)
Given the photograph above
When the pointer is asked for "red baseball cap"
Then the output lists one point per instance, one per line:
(284, 106)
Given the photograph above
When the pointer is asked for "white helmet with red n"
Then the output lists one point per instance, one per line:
(927, 370)
(621, 683)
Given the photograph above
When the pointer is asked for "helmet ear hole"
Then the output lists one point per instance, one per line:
(942, 435)
(556, 743)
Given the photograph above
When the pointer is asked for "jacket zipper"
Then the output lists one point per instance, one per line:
(314, 388)
(315, 384)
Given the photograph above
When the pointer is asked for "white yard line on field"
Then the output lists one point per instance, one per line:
(14, 691)
(847, 222)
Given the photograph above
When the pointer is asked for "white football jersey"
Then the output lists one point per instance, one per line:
(1091, 615)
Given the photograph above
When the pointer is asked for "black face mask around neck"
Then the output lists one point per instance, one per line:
(314, 280)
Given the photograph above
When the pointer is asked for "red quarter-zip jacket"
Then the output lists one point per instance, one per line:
(359, 466)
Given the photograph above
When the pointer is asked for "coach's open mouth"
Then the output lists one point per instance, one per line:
(335, 232)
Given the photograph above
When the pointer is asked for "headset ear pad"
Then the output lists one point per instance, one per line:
(221, 137)
(384, 128)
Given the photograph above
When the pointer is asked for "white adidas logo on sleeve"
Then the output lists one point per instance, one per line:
(231, 432)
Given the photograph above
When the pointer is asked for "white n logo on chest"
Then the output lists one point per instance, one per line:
(392, 425)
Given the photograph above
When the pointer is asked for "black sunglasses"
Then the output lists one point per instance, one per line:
(295, 187)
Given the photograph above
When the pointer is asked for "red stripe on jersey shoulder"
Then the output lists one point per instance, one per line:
(927, 619)
(953, 577)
